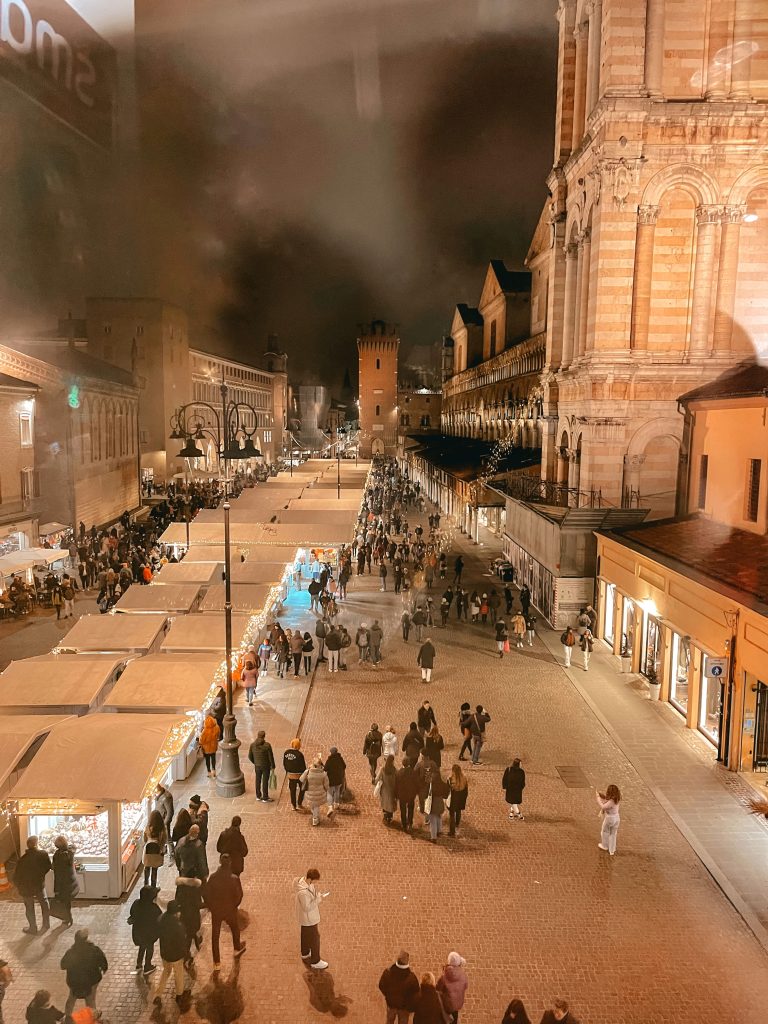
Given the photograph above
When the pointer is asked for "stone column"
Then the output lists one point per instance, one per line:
(569, 302)
(584, 260)
(742, 56)
(573, 477)
(707, 227)
(654, 47)
(593, 58)
(642, 276)
(726, 277)
(579, 86)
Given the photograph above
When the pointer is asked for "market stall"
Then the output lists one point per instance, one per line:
(137, 634)
(188, 571)
(58, 684)
(171, 598)
(170, 684)
(93, 781)
(251, 598)
(24, 563)
(190, 634)
(21, 736)
(275, 566)
(324, 504)
(214, 553)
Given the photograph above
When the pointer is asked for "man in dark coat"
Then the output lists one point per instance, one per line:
(372, 748)
(413, 742)
(232, 842)
(29, 879)
(263, 760)
(426, 718)
(335, 769)
(406, 791)
(399, 986)
(559, 1014)
(223, 895)
(144, 917)
(164, 804)
(190, 855)
(426, 660)
(173, 950)
(85, 966)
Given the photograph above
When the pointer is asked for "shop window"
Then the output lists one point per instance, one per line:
(378, 364)
(651, 660)
(703, 470)
(681, 668)
(760, 755)
(627, 627)
(711, 704)
(378, 410)
(609, 619)
(753, 490)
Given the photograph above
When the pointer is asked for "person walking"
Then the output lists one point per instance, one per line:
(516, 1013)
(308, 900)
(434, 805)
(405, 624)
(428, 1006)
(425, 717)
(189, 896)
(501, 637)
(265, 653)
(458, 569)
(191, 860)
(223, 895)
(525, 598)
(164, 804)
(232, 842)
(294, 766)
(513, 784)
(406, 791)
(372, 748)
(478, 723)
(65, 883)
(283, 650)
(84, 965)
(209, 743)
(426, 660)
(413, 743)
(399, 986)
(29, 879)
(530, 627)
(155, 845)
(180, 828)
(173, 949)
(263, 760)
(586, 644)
(518, 629)
(41, 1009)
(144, 918)
(335, 769)
(465, 728)
(452, 986)
(384, 788)
(390, 743)
(457, 798)
(609, 811)
(568, 640)
(383, 575)
(419, 620)
(433, 745)
(307, 649)
(249, 680)
(376, 636)
(297, 650)
(362, 641)
(315, 782)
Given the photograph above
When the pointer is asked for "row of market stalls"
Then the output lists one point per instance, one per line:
(88, 731)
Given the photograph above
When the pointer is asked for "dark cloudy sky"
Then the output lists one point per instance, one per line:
(355, 159)
(304, 165)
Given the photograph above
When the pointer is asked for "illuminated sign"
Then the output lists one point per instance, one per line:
(51, 55)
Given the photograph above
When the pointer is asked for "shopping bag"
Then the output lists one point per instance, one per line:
(57, 909)
(377, 788)
(506, 646)
(273, 779)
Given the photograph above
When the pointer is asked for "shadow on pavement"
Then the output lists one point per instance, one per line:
(322, 996)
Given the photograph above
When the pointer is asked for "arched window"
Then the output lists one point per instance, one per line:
(378, 364)
(378, 410)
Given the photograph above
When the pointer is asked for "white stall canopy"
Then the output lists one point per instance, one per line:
(57, 683)
(135, 633)
(173, 597)
(88, 762)
(270, 569)
(19, 736)
(246, 597)
(202, 573)
(251, 535)
(346, 518)
(191, 633)
(169, 683)
(326, 504)
(213, 553)
(20, 561)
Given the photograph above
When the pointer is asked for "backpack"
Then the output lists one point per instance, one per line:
(566, 639)
(374, 749)
(69, 594)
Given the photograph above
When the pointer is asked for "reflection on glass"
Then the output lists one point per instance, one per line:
(627, 627)
(652, 649)
(681, 665)
(610, 613)
(709, 708)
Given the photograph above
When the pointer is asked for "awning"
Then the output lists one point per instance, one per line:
(17, 735)
(250, 598)
(190, 633)
(188, 571)
(167, 683)
(100, 758)
(262, 571)
(173, 597)
(113, 633)
(255, 534)
(316, 504)
(54, 682)
(27, 558)
(213, 553)
(48, 528)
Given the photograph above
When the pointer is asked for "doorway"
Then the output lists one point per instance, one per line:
(760, 755)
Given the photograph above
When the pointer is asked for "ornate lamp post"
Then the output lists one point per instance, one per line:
(189, 424)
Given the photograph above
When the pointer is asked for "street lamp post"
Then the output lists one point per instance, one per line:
(189, 425)
(340, 433)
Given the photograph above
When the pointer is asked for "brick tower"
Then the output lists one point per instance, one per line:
(378, 344)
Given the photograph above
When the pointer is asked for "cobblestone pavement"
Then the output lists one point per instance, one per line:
(534, 906)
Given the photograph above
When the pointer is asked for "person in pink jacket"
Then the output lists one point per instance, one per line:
(452, 985)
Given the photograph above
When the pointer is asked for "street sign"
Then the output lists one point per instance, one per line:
(716, 668)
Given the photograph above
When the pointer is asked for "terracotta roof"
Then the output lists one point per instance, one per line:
(730, 561)
(17, 383)
(747, 380)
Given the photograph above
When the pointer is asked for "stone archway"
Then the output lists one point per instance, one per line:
(377, 446)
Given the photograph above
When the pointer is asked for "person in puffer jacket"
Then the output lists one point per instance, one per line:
(315, 781)
(452, 985)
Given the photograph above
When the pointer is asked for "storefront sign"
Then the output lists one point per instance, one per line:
(716, 668)
(51, 55)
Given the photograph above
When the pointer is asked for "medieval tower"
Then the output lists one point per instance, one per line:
(378, 345)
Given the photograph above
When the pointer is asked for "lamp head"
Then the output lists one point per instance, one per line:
(191, 450)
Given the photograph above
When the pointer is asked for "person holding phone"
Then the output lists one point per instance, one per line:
(308, 900)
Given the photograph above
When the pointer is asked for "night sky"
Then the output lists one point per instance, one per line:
(304, 165)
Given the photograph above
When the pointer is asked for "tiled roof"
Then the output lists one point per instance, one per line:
(731, 561)
(469, 314)
(511, 280)
(15, 382)
(747, 380)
